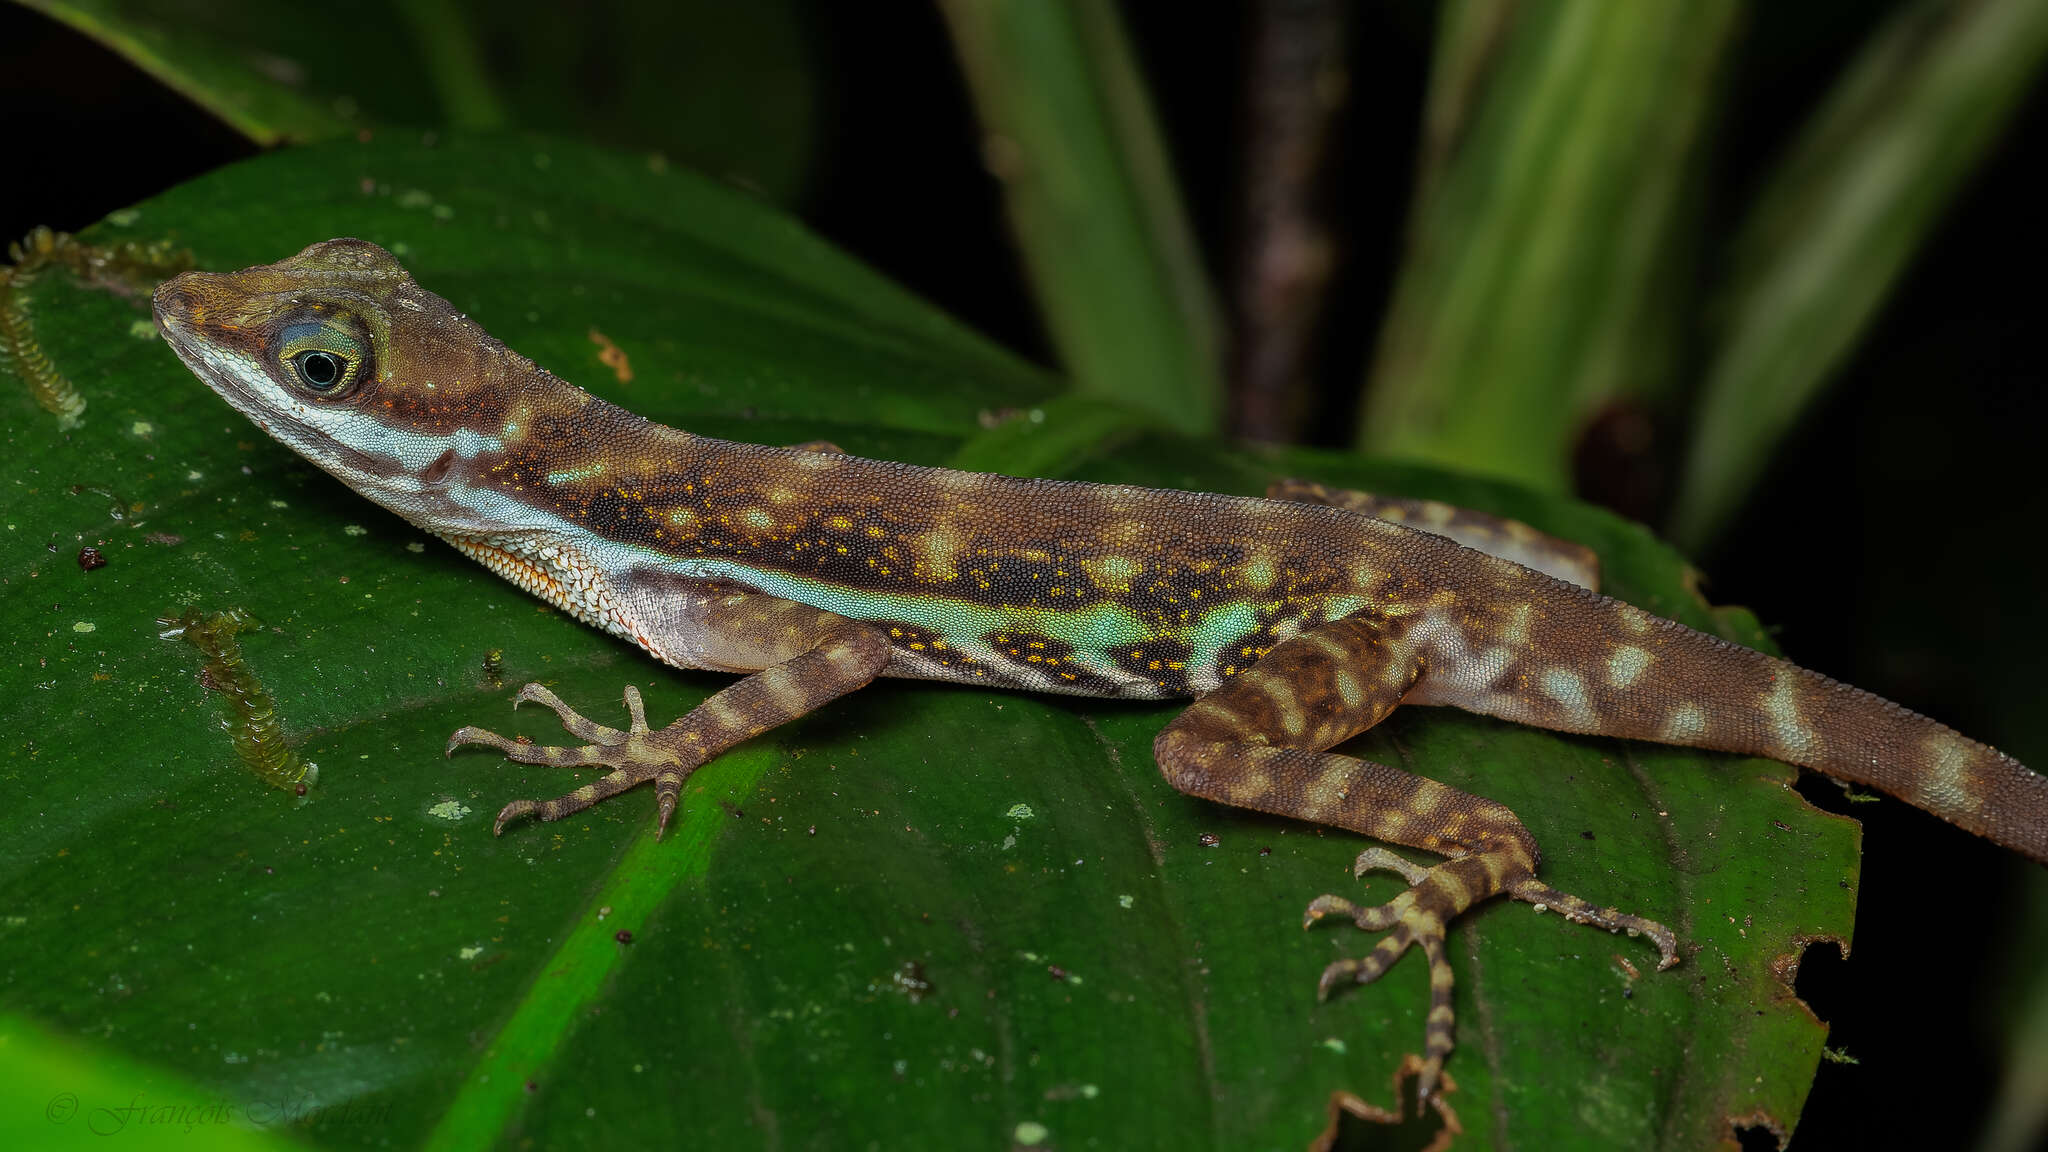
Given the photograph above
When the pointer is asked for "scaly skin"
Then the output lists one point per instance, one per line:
(1295, 623)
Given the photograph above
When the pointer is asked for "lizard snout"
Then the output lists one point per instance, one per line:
(182, 300)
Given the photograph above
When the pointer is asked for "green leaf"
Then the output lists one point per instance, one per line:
(926, 916)
(726, 88)
(1068, 130)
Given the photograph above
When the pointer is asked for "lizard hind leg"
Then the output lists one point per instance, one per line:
(1258, 742)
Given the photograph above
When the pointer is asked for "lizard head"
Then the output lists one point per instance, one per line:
(341, 357)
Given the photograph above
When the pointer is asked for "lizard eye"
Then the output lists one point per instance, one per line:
(325, 359)
(320, 371)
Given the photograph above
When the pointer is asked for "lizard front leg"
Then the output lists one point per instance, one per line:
(807, 657)
(1259, 741)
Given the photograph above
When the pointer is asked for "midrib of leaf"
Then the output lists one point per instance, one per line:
(574, 977)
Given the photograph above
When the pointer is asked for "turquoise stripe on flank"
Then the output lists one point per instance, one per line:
(1217, 627)
(1093, 631)
(1094, 628)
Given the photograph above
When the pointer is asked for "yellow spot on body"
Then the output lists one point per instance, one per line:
(1627, 663)
(1568, 688)
(1349, 689)
(1111, 572)
(1947, 788)
(1687, 723)
(1260, 572)
(1492, 664)
(942, 547)
(1795, 739)
(571, 475)
(1514, 630)
(1325, 794)
(1118, 567)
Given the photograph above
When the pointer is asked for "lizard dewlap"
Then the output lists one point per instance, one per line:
(1294, 623)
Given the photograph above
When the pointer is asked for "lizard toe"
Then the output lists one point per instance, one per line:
(1572, 908)
(575, 722)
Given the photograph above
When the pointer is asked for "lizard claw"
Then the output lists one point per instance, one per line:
(634, 755)
(1417, 917)
(511, 812)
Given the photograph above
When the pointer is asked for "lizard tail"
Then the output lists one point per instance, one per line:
(1823, 724)
(1587, 663)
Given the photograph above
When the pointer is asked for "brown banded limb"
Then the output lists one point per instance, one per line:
(807, 658)
(1259, 741)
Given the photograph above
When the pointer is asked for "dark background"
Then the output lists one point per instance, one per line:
(1894, 543)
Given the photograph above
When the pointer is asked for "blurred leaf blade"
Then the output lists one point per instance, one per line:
(1069, 132)
(725, 88)
(1542, 277)
(1860, 190)
(257, 94)
(444, 37)
(63, 1091)
(2019, 1115)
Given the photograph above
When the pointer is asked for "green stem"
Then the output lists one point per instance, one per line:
(1542, 281)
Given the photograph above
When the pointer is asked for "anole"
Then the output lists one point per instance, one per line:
(1294, 623)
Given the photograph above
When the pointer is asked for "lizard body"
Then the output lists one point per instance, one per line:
(1294, 623)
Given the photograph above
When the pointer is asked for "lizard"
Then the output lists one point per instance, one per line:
(1292, 623)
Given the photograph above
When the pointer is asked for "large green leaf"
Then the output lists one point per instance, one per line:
(927, 916)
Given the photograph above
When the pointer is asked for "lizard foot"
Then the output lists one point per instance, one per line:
(634, 754)
(1418, 917)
